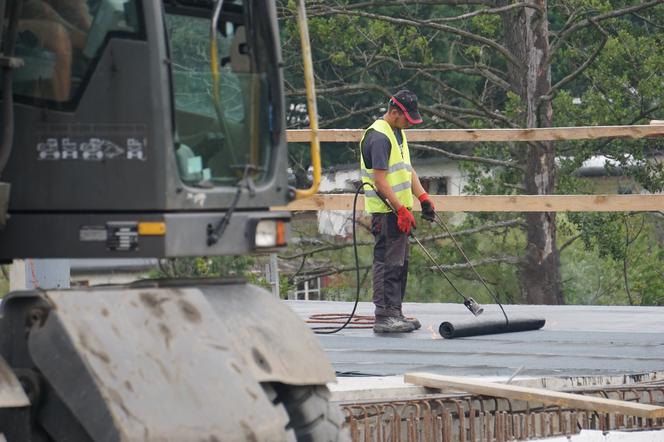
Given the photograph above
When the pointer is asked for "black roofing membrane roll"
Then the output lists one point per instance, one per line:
(449, 330)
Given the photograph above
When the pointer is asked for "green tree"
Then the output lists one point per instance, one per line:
(495, 63)
(206, 267)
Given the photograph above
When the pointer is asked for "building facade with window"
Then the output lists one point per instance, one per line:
(439, 176)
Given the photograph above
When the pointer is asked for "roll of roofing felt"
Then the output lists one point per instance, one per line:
(449, 330)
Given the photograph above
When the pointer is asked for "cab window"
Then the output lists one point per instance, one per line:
(60, 41)
(222, 120)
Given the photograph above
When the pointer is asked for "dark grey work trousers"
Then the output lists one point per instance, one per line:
(390, 264)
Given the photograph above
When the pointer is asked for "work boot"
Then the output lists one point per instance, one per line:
(414, 321)
(392, 324)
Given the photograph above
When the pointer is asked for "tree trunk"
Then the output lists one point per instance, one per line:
(526, 35)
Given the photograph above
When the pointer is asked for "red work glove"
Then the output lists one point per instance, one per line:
(405, 219)
(428, 209)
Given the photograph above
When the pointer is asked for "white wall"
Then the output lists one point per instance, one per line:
(456, 179)
(341, 180)
(338, 223)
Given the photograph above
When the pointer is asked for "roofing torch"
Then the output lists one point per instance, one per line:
(470, 303)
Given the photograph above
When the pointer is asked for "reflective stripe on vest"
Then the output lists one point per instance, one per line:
(398, 171)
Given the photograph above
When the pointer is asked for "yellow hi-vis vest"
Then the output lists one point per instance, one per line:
(398, 172)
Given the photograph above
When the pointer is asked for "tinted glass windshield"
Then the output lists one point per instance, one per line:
(222, 134)
(60, 41)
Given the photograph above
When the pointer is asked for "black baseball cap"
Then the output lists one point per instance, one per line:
(407, 102)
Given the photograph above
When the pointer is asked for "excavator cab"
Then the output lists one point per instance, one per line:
(139, 132)
(149, 128)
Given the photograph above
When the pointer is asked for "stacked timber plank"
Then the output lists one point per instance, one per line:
(538, 395)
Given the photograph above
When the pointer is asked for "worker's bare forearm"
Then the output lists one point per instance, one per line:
(416, 185)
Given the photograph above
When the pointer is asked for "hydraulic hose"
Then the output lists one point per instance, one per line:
(216, 76)
(312, 109)
(332, 330)
(468, 302)
(214, 51)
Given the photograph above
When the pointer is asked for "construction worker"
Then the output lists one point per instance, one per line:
(385, 164)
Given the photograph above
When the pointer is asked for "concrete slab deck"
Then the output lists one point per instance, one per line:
(604, 341)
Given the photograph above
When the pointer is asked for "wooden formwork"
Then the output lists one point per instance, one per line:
(498, 203)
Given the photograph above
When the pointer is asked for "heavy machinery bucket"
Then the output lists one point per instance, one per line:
(123, 364)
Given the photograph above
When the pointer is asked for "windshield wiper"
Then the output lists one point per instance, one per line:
(246, 182)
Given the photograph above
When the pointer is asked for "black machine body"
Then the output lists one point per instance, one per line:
(127, 132)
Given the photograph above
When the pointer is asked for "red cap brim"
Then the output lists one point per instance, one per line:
(410, 119)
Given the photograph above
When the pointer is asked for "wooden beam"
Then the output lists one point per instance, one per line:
(502, 203)
(536, 395)
(476, 135)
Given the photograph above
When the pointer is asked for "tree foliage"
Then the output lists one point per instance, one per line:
(204, 267)
(592, 62)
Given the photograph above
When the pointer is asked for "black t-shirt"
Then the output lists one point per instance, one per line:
(376, 149)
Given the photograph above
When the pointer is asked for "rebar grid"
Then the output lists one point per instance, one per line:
(468, 418)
